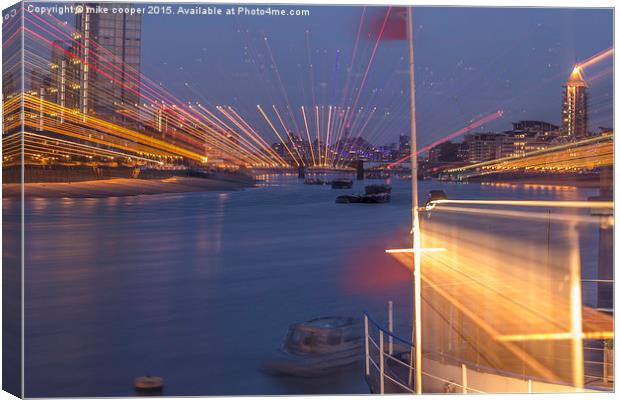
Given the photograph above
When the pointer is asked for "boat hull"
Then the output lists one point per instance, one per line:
(311, 366)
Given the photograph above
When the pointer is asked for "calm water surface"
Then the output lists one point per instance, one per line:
(200, 288)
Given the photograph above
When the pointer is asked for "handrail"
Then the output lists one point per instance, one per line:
(382, 354)
(464, 364)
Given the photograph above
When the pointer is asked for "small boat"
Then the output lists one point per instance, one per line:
(376, 189)
(435, 195)
(149, 383)
(348, 198)
(376, 198)
(318, 347)
(342, 184)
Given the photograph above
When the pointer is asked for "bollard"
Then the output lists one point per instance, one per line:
(464, 377)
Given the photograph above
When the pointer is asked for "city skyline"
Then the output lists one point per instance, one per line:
(459, 89)
(101, 68)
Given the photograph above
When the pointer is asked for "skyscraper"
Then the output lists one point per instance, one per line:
(575, 106)
(110, 73)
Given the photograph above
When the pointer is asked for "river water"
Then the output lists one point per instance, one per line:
(200, 288)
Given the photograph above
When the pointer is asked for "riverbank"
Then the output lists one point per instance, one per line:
(120, 187)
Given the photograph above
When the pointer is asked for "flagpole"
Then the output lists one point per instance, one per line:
(415, 231)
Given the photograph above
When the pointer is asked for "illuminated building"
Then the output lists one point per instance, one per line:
(575, 106)
(527, 136)
(65, 84)
(482, 146)
(104, 38)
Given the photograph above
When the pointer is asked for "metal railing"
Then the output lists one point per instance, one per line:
(388, 368)
(395, 371)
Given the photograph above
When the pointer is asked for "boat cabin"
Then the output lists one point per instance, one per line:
(322, 335)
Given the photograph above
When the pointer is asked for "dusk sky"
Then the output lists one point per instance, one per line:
(469, 62)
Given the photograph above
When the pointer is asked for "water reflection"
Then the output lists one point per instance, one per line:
(200, 288)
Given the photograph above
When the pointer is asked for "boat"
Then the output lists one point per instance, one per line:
(342, 184)
(376, 198)
(318, 347)
(149, 383)
(348, 198)
(376, 189)
(435, 195)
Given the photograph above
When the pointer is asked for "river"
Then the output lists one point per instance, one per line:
(200, 288)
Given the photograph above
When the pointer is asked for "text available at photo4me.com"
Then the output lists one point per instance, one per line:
(169, 9)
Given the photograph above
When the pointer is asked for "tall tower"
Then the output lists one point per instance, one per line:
(575, 106)
(105, 40)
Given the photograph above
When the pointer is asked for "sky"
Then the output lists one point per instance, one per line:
(469, 62)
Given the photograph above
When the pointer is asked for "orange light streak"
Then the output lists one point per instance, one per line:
(287, 131)
(596, 58)
(533, 203)
(277, 134)
(303, 111)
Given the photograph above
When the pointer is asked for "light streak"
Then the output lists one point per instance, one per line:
(287, 131)
(372, 57)
(528, 215)
(576, 305)
(469, 127)
(258, 138)
(350, 69)
(561, 153)
(277, 134)
(556, 336)
(308, 133)
(243, 129)
(318, 133)
(285, 95)
(421, 250)
(533, 203)
(501, 285)
(596, 58)
(188, 127)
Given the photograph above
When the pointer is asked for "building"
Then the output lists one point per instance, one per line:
(109, 42)
(527, 136)
(482, 146)
(575, 106)
(403, 143)
(539, 127)
(446, 152)
(65, 83)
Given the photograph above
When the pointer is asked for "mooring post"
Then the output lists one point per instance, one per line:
(360, 170)
(301, 172)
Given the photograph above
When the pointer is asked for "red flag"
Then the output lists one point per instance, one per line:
(390, 24)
